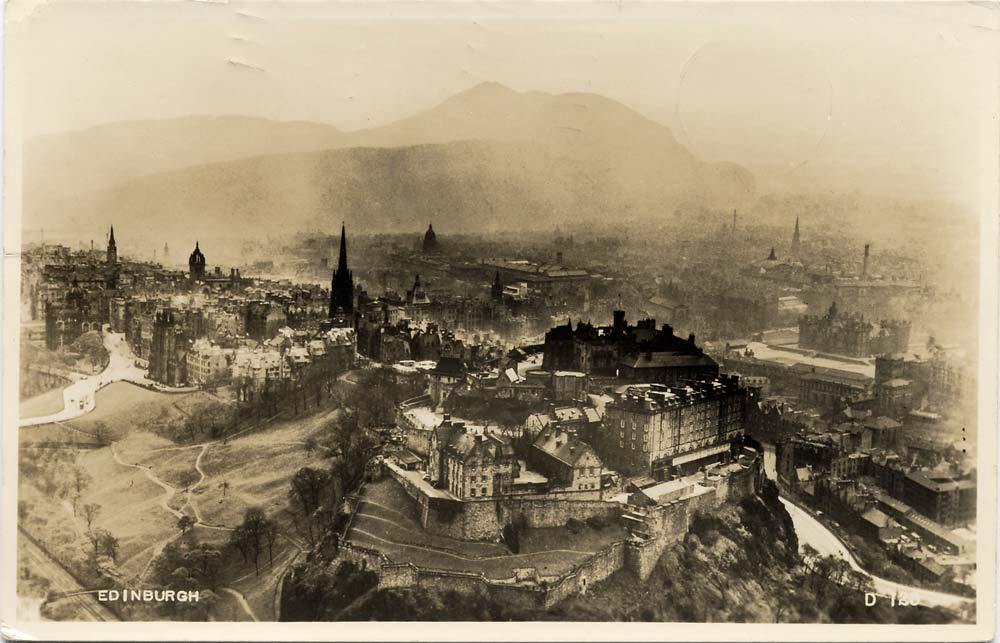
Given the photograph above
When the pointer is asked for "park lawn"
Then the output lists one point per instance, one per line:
(52, 434)
(175, 467)
(124, 407)
(258, 467)
(139, 444)
(130, 507)
(45, 403)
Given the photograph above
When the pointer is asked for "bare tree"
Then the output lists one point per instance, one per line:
(90, 511)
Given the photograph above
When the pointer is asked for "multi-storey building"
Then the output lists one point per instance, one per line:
(640, 353)
(471, 462)
(852, 335)
(945, 499)
(168, 353)
(565, 460)
(668, 430)
(207, 362)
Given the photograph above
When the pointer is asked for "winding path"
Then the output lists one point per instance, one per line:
(241, 600)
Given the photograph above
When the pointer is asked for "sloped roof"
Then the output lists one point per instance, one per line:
(562, 445)
(667, 359)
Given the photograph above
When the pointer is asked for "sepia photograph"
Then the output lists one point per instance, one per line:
(627, 317)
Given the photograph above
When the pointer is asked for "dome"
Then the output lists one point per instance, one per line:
(197, 257)
(430, 239)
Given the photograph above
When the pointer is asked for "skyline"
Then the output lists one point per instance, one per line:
(798, 97)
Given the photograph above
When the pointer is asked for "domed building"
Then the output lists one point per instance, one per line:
(196, 264)
(430, 240)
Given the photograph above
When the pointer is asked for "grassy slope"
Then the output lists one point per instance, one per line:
(258, 467)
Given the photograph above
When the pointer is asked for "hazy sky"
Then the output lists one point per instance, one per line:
(887, 97)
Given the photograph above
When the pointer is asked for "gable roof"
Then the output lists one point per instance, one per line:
(562, 445)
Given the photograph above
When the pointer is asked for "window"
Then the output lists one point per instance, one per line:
(484, 491)
(472, 492)
(622, 424)
(621, 443)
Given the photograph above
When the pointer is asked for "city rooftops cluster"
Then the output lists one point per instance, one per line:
(660, 396)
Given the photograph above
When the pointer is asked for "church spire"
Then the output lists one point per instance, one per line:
(342, 261)
(112, 252)
(796, 239)
(342, 284)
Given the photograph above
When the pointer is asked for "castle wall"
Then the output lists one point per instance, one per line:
(666, 525)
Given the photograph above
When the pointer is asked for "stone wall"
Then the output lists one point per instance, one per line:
(511, 591)
(484, 518)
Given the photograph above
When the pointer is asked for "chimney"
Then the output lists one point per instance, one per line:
(559, 258)
(864, 266)
(691, 339)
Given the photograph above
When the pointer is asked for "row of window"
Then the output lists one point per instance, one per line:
(645, 446)
(472, 492)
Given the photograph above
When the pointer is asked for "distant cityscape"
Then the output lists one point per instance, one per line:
(499, 390)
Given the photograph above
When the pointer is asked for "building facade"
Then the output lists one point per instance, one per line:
(662, 430)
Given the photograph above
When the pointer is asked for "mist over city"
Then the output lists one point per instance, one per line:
(659, 314)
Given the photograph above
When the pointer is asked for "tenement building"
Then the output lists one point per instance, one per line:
(640, 353)
(663, 431)
(836, 332)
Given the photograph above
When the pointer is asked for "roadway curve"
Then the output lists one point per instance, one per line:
(811, 531)
(80, 397)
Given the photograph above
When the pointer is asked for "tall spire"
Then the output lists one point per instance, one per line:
(112, 252)
(342, 284)
(342, 261)
(796, 239)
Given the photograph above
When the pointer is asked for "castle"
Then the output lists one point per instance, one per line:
(852, 335)
(635, 353)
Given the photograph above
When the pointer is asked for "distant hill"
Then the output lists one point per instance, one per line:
(97, 157)
(486, 158)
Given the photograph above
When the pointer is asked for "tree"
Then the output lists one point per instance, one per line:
(309, 487)
(80, 481)
(91, 346)
(90, 511)
(101, 433)
(204, 559)
(104, 544)
(250, 537)
(184, 523)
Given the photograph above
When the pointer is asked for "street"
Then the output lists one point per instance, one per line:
(79, 398)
